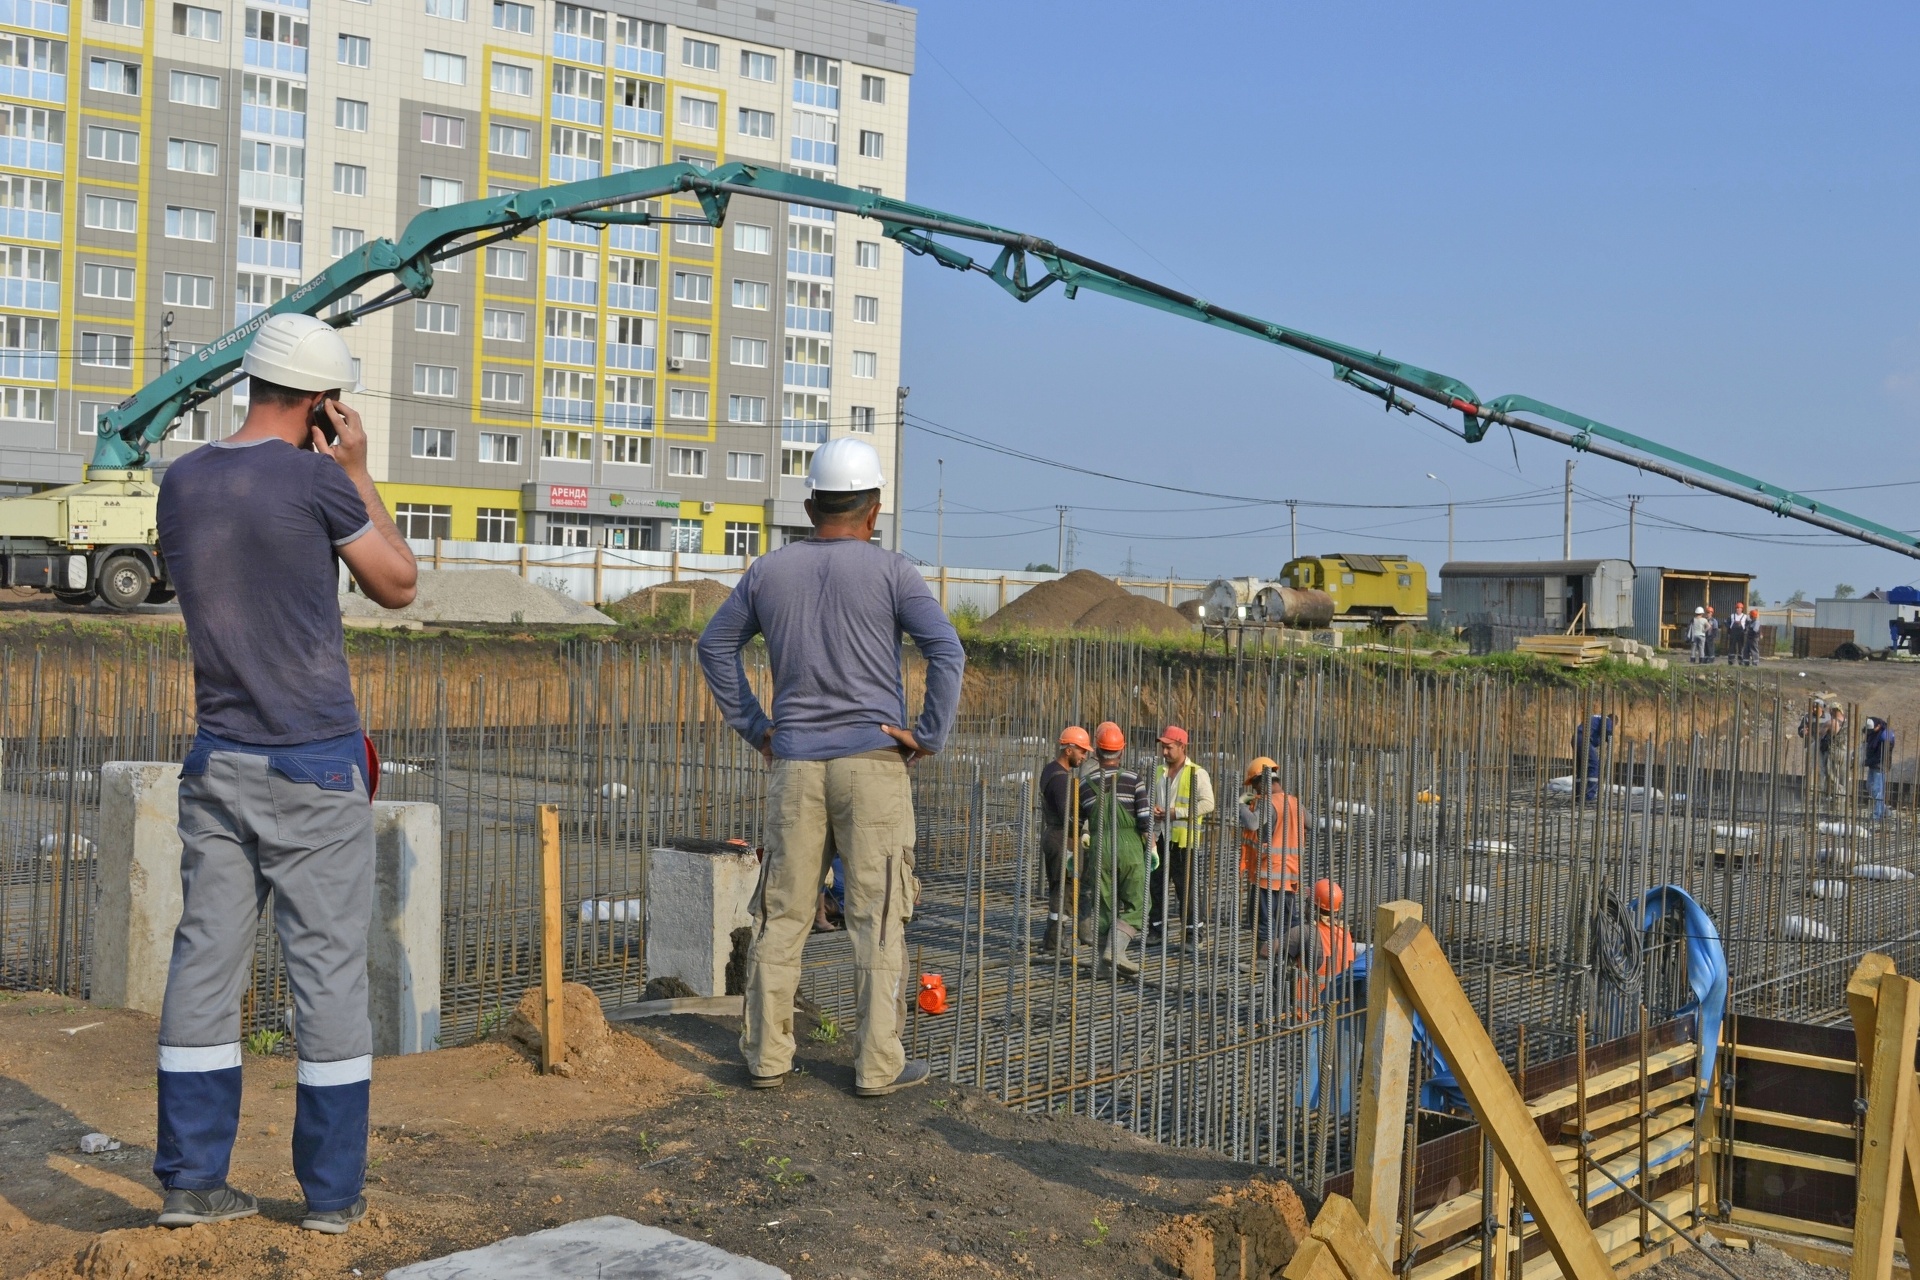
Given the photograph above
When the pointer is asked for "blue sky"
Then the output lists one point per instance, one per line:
(1691, 222)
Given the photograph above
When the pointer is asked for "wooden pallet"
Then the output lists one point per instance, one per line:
(1568, 651)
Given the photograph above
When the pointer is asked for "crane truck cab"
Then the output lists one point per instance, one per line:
(81, 542)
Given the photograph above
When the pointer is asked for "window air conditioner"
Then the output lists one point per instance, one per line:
(706, 508)
(675, 363)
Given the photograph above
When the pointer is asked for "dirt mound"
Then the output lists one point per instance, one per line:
(479, 595)
(589, 1038)
(1056, 605)
(251, 1247)
(1189, 609)
(696, 598)
(1130, 613)
(1252, 1231)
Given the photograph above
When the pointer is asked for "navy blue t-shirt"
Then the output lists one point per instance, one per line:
(250, 534)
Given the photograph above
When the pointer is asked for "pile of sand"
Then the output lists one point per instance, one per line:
(583, 1026)
(693, 598)
(1254, 1231)
(479, 595)
(1085, 601)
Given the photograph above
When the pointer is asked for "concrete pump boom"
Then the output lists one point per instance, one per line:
(130, 429)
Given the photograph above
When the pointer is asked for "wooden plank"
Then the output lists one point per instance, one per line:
(1617, 1078)
(1430, 982)
(1863, 990)
(1380, 1134)
(1618, 1237)
(1779, 1222)
(1627, 1167)
(1883, 1152)
(1606, 1117)
(1455, 1261)
(1626, 1140)
(1313, 1260)
(553, 1030)
(1781, 1120)
(1781, 1155)
(1788, 1058)
(1344, 1231)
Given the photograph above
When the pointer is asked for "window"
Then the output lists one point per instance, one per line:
(693, 233)
(119, 13)
(865, 364)
(107, 350)
(755, 124)
(691, 344)
(692, 286)
(451, 10)
(502, 386)
(749, 238)
(703, 55)
(506, 264)
(435, 380)
(196, 23)
(866, 253)
(513, 79)
(873, 145)
(189, 224)
(443, 131)
(686, 462)
(567, 446)
(110, 76)
(866, 310)
(34, 404)
(517, 18)
(872, 191)
(816, 138)
(345, 240)
(750, 353)
(498, 524)
(108, 213)
(690, 403)
(752, 409)
(752, 295)
(504, 326)
(350, 114)
(633, 451)
(88, 423)
(436, 317)
(684, 535)
(635, 153)
(447, 68)
(861, 419)
(422, 520)
(115, 146)
(350, 179)
(193, 91)
(509, 140)
(187, 156)
(699, 113)
(99, 280)
(746, 466)
(346, 306)
(354, 51)
(873, 88)
(188, 291)
(742, 539)
(759, 66)
(500, 446)
(436, 193)
(432, 442)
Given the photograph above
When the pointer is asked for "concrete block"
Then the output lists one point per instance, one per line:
(139, 883)
(403, 942)
(592, 1249)
(694, 903)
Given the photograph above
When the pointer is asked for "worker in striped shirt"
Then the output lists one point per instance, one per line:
(1116, 811)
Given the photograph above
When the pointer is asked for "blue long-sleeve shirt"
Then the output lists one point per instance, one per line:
(833, 612)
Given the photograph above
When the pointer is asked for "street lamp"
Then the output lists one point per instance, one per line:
(1449, 488)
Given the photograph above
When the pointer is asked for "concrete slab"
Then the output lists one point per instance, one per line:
(139, 883)
(607, 1248)
(403, 943)
(696, 898)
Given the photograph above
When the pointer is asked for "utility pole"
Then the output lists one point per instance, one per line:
(1633, 508)
(1060, 556)
(900, 395)
(1449, 488)
(1566, 525)
(1293, 529)
(940, 518)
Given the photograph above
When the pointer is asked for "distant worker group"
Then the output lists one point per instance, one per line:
(1742, 636)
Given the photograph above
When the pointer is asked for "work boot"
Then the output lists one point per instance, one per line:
(915, 1072)
(184, 1208)
(1050, 940)
(334, 1222)
(1118, 952)
(1088, 935)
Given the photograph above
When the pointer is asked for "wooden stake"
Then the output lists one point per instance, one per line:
(1862, 1002)
(1881, 1177)
(1381, 1131)
(1430, 982)
(1341, 1228)
(553, 1031)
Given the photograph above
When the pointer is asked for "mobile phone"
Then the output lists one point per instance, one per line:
(323, 420)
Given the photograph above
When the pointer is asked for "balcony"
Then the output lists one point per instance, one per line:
(573, 289)
(35, 15)
(271, 55)
(811, 376)
(634, 417)
(634, 239)
(579, 49)
(31, 295)
(631, 57)
(800, 262)
(554, 409)
(637, 120)
(808, 94)
(29, 224)
(282, 255)
(270, 122)
(571, 351)
(245, 311)
(25, 82)
(272, 188)
(578, 110)
(573, 232)
(810, 319)
(813, 151)
(627, 297)
(571, 169)
(30, 366)
(625, 355)
(26, 153)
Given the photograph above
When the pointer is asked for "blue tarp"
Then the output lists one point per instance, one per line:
(1706, 968)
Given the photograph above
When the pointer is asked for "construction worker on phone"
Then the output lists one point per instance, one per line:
(275, 790)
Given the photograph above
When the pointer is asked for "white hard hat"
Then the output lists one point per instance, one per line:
(845, 465)
(1698, 609)
(302, 353)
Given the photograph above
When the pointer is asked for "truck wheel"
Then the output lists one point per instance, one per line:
(124, 583)
(157, 594)
(82, 598)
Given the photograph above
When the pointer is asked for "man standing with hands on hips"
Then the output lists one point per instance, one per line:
(275, 790)
(832, 609)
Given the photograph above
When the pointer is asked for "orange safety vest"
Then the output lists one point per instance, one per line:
(1278, 865)
(1336, 958)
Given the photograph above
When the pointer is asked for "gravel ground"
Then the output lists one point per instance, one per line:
(480, 595)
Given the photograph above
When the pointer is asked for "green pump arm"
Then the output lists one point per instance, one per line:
(130, 429)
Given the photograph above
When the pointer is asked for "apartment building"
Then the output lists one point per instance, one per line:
(168, 170)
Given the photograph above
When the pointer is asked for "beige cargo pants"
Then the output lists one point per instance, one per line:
(861, 807)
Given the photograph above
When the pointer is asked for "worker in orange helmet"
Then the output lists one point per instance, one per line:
(1116, 808)
(1271, 821)
(1056, 840)
(1320, 953)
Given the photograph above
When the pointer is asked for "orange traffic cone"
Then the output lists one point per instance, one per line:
(933, 993)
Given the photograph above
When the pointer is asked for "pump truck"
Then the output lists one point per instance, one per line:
(97, 540)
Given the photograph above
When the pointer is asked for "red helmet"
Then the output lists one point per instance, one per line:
(1328, 896)
(1074, 736)
(1108, 737)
